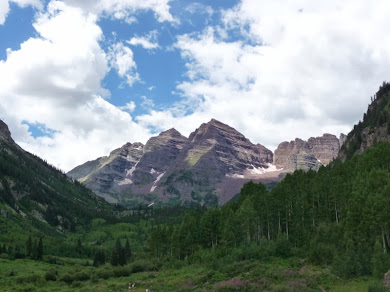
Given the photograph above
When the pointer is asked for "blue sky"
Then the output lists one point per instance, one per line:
(81, 78)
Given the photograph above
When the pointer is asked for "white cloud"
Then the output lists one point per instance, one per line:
(121, 58)
(148, 42)
(129, 107)
(4, 7)
(124, 9)
(55, 80)
(299, 69)
(200, 8)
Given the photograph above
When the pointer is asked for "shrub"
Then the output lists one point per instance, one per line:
(51, 275)
(28, 279)
(105, 274)
(81, 276)
(372, 288)
(94, 278)
(67, 278)
(144, 266)
(122, 271)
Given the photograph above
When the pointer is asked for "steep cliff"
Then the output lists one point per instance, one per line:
(324, 149)
(214, 162)
(374, 128)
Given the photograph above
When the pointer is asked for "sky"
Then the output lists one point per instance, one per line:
(81, 78)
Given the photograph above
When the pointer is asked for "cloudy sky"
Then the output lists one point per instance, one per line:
(81, 78)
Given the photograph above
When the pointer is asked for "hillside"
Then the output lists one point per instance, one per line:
(374, 128)
(209, 167)
(35, 196)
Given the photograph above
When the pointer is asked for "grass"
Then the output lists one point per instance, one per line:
(273, 275)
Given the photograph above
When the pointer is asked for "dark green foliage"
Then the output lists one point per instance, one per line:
(380, 261)
(51, 275)
(99, 258)
(118, 255)
(377, 288)
(39, 253)
(29, 246)
(378, 114)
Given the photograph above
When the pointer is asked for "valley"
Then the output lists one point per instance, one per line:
(321, 228)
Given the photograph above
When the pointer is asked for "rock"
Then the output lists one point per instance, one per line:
(323, 149)
(374, 128)
(171, 166)
(302, 161)
(105, 175)
(4, 132)
(342, 139)
(386, 279)
(208, 167)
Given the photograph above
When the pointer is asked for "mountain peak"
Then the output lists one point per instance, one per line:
(172, 132)
(4, 131)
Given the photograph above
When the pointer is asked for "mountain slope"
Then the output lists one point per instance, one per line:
(374, 128)
(310, 154)
(35, 193)
(215, 161)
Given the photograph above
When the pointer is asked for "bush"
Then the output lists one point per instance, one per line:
(375, 288)
(28, 279)
(67, 278)
(94, 279)
(105, 274)
(282, 246)
(81, 276)
(122, 271)
(51, 275)
(144, 266)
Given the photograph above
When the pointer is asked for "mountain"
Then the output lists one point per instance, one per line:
(310, 154)
(374, 128)
(208, 167)
(36, 195)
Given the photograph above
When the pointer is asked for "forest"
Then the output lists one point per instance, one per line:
(336, 219)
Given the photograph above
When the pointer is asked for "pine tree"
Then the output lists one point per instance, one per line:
(40, 249)
(118, 254)
(127, 250)
(29, 246)
(79, 247)
(99, 258)
(380, 261)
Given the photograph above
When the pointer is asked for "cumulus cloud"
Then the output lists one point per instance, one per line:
(200, 8)
(296, 69)
(54, 79)
(124, 9)
(129, 107)
(148, 42)
(4, 7)
(122, 59)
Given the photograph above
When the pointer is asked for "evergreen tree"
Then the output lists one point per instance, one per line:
(127, 250)
(79, 247)
(118, 254)
(29, 246)
(99, 258)
(380, 261)
(40, 249)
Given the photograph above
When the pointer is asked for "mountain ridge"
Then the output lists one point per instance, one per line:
(213, 162)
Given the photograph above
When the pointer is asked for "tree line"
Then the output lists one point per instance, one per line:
(337, 216)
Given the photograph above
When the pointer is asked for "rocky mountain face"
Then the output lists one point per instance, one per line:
(208, 167)
(313, 153)
(4, 132)
(374, 128)
(33, 193)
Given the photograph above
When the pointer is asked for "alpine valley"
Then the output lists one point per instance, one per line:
(209, 167)
(321, 222)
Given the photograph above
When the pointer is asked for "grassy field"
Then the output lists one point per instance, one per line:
(79, 275)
